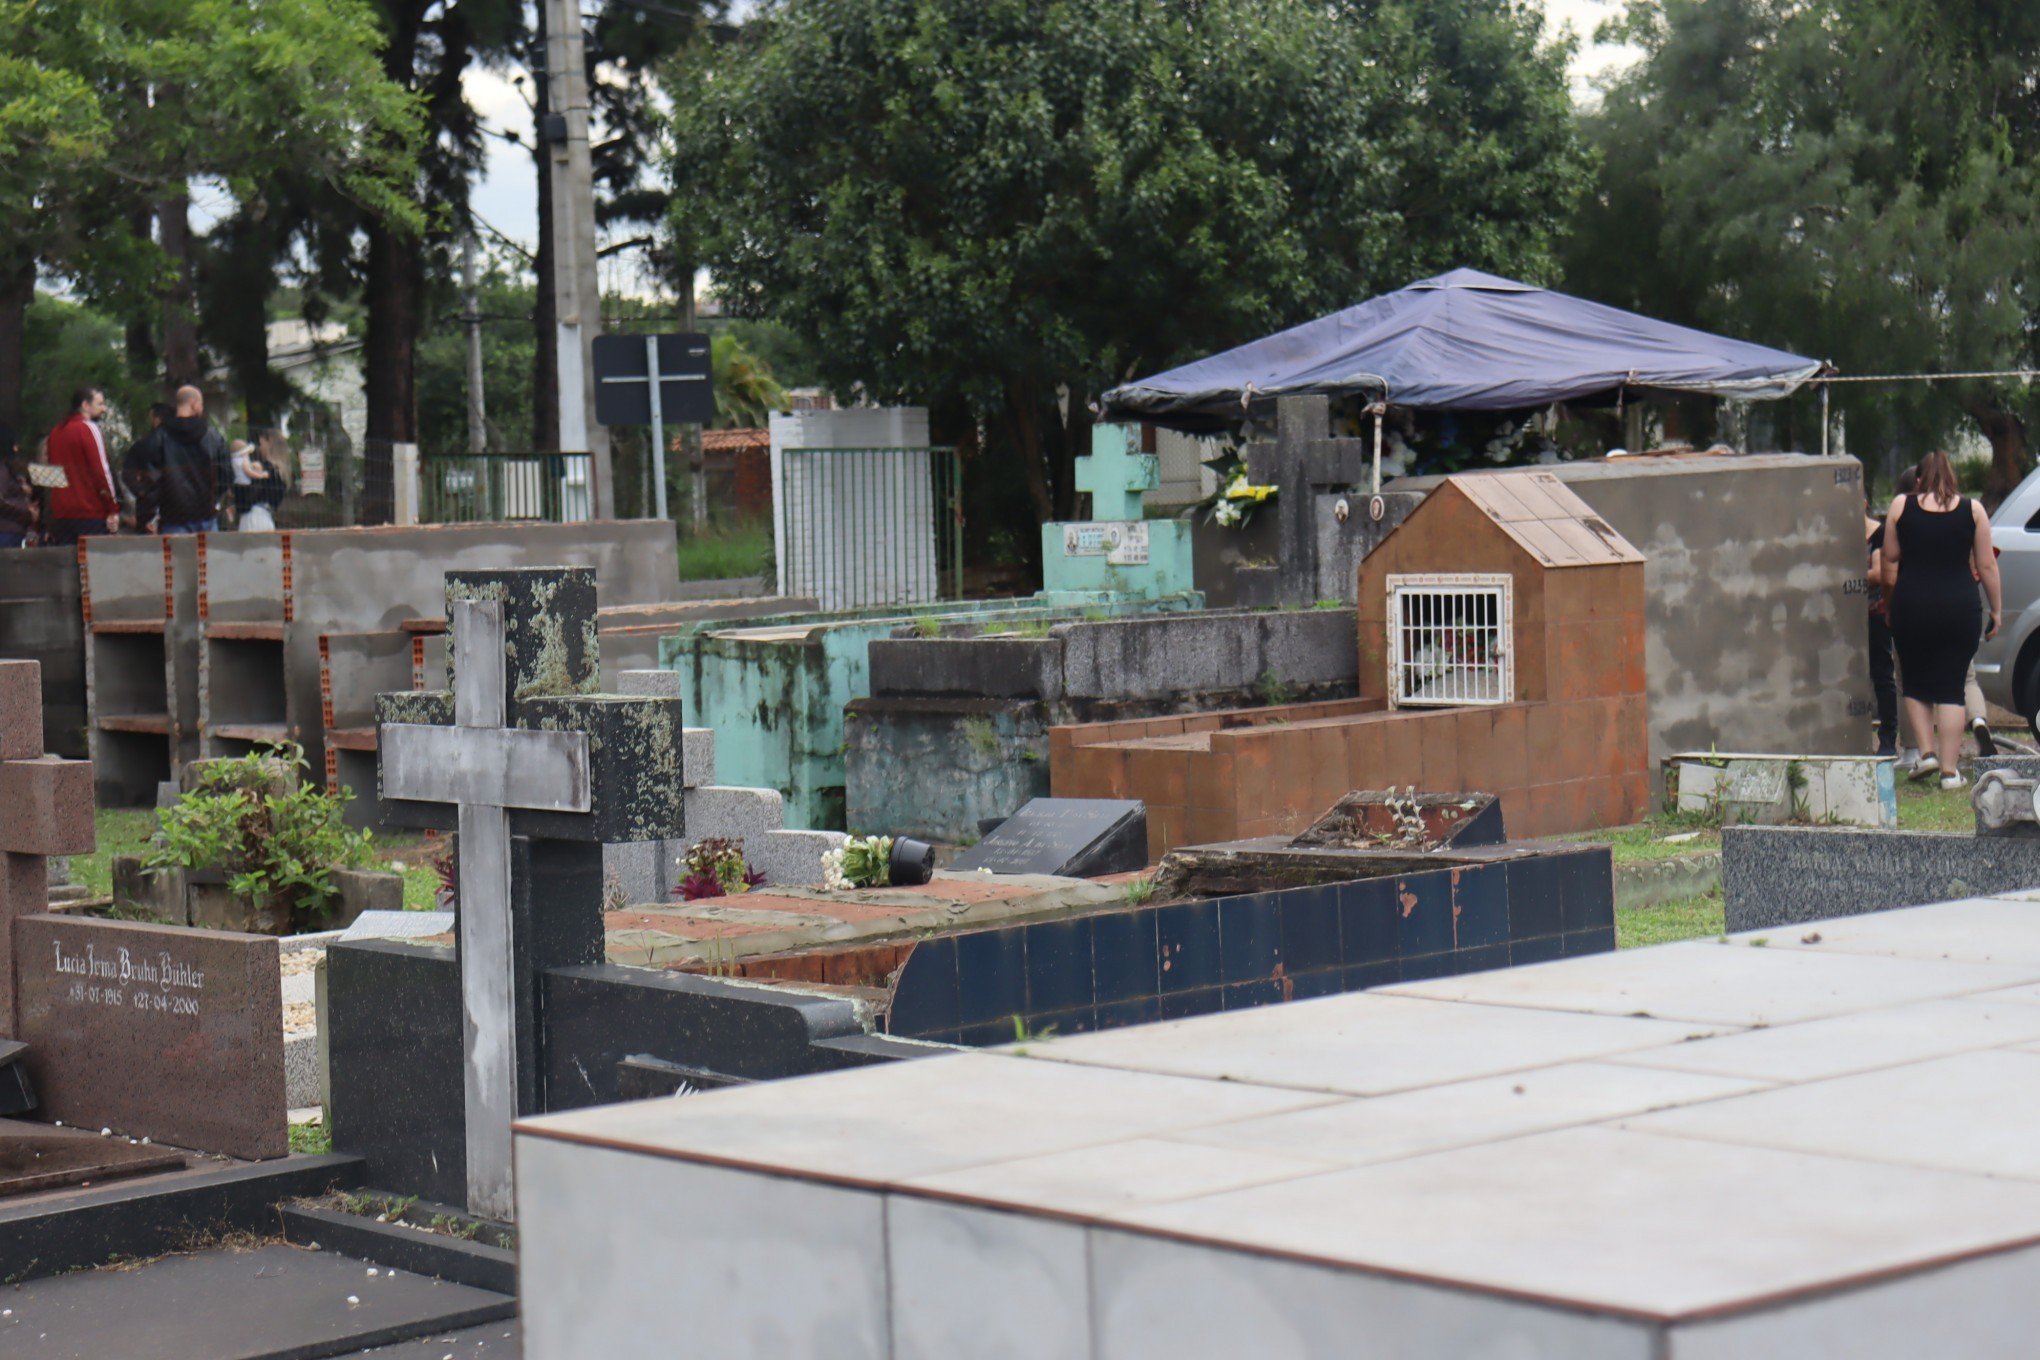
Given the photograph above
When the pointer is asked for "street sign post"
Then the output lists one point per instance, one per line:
(649, 380)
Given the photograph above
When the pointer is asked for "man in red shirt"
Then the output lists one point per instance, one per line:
(89, 504)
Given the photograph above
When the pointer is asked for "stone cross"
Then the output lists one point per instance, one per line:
(1115, 475)
(538, 773)
(1304, 460)
(45, 809)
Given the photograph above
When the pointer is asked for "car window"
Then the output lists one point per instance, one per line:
(2033, 524)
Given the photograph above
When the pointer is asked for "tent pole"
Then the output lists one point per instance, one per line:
(1825, 426)
(1378, 407)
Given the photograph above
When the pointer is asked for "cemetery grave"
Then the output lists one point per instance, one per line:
(1704, 1149)
(774, 690)
(957, 727)
(141, 1065)
(1381, 888)
(1776, 876)
(1118, 549)
(1500, 648)
(522, 1014)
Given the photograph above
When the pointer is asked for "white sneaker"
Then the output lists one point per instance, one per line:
(1925, 767)
(1952, 781)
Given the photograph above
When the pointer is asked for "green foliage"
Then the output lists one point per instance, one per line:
(1858, 180)
(745, 391)
(1139, 891)
(505, 298)
(1273, 689)
(244, 90)
(266, 842)
(975, 203)
(311, 1140)
(726, 553)
(982, 737)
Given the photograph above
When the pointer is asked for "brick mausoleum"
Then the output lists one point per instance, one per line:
(1501, 651)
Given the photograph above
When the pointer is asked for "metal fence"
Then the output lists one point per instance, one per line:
(479, 488)
(864, 527)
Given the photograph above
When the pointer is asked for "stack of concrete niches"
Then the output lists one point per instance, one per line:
(216, 644)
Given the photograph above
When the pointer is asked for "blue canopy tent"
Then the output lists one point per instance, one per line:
(1464, 341)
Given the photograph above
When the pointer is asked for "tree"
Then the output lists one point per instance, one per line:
(1007, 205)
(121, 103)
(1858, 180)
(745, 390)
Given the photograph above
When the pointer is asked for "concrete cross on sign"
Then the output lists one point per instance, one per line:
(1115, 475)
(486, 769)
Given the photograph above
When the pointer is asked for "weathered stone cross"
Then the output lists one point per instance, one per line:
(1114, 475)
(1304, 460)
(539, 775)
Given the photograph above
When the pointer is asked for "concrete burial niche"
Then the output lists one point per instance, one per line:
(956, 729)
(1754, 595)
(41, 621)
(1500, 645)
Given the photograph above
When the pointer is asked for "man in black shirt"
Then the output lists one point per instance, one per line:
(180, 470)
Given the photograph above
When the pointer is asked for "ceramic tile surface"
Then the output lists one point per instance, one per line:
(1620, 1219)
(1382, 1128)
(1969, 1112)
(1973, 929)
(1120, 1177)
(1364, 1044)
(886, 1123)
(1736, 983)
(1858, 1042)
(1688, 1152)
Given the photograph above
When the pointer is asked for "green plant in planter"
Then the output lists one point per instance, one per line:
(266, 842)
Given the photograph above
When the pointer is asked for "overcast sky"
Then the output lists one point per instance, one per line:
(506, 198)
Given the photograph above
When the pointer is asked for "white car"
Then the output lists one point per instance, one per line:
(2008, 665)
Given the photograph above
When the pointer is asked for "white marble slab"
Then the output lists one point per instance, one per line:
(1979, 1309)
(1367, 1043)
(1858, 1042)
(1971, 1112)
(622, 1255)
(1972, 929)
(1734, 983)
(1116, 1178)
(1408, 1124)
(971, 1282)
(1159, 1300)
(1612, 1219)
(887, 1123)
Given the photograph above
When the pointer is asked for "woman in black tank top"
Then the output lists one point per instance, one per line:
(1936, 548)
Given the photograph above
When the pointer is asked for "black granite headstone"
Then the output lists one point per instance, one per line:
(17, 1092)
(1067, 837)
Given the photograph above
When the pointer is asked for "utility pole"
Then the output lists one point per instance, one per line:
(576, 285)
(471, 304)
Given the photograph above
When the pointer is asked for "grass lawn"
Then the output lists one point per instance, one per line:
(126, 831)
(726, 552)
(1689, 918)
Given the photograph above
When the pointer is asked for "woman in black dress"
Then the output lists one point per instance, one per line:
(1936, 548)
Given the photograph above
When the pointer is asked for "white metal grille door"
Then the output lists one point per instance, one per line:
(1449, 640)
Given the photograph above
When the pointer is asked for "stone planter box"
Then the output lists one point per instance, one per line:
(201, 898)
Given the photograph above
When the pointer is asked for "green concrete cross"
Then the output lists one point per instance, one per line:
(1114, 475)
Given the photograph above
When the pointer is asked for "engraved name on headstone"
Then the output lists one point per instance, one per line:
(156, 1031)
(1064, 836)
